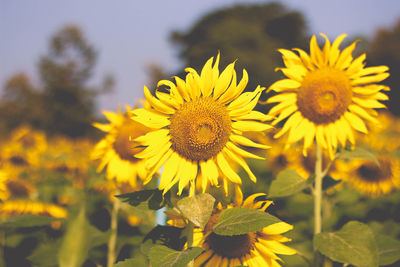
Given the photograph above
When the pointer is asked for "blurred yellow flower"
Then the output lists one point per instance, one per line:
(251, 249)
(118, 150)
(198, 125)
(326, 95)
(15, 207)
(369, 178)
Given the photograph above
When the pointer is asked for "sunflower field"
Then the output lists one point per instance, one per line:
(204, 171)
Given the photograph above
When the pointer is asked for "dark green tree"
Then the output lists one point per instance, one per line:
(64, 73)
(21, 103)
(250, 33)
(384, 49)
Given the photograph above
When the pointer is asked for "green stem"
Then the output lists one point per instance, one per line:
(114, 229)
(318, 190)
(318, 200)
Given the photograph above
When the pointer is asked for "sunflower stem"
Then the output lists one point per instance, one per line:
(114, 229)
(190, 225)
(318, 200)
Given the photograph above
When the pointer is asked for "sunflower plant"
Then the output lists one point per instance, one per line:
(326, 100)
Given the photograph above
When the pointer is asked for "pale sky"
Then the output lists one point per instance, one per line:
(130, 34)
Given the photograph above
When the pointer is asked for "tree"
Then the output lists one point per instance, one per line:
(384, 50)
(64, 73)
(250, 33)
(21, 103)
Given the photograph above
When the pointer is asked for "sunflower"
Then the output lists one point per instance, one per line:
(371, 179)
(118, 150)
(17, 207)
(252, 249)
(3, 185)
(198, 125)
(326, 95)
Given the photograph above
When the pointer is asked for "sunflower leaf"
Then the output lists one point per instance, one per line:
(389, 249)
(238, 221)
(28, 220)
(353, 244)
(197, 208)
(162, 256)
(288, 182)
(357, 153)
(76, 241)
(154, 198)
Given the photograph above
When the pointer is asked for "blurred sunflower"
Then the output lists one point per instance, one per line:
(198, 126)
(23, 149)
(369, 178)
(251, 249)
(385, 138)
(16, 207)
(118, 149)
(3, 186)
(327, 95)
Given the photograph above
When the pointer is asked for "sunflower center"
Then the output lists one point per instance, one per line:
(324, 95)
(200, 129)
(124, 145)
(235, 246)
(370, 172)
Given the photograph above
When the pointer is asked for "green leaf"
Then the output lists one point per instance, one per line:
(389, 249)
(357, 153)
(353, 244)
(130, 263)
(28, 220)
(237, 221)
(76, 241)
(154, 198)
(162, 256)
(197, 208)
(288, 182)
(46, 254)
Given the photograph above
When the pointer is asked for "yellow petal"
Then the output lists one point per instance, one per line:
(241, 152)
(157, 104)
(282, 97)
(249, 126)
(277, 228)
(355, 122)
(368, 103)
(334, 53)
(370, 79)
(315, 51)
(362, 113)
(254, 115)
(224, 80)
(246, 108)
(284, 85)
(209, 171)
(207, 79)
(241, 140)
(241, 162)
(169, 171)
(149, 118)
(293, 121)
(227, 170)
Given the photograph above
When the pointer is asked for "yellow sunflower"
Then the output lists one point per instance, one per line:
(326, 95)
(252, 249)
(17, 207)
(3, 185)
(118, 149)
(371, 179)
(198, 126)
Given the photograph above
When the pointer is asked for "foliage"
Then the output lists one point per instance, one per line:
(250, 34)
